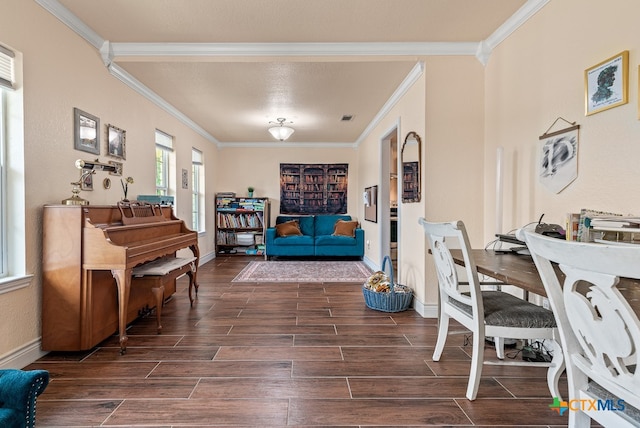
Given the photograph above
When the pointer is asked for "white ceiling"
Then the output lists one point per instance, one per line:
(228, 67)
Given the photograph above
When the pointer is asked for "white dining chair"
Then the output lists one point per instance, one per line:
(599, 331)
(486, 313)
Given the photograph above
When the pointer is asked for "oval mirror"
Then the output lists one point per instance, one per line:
(410, 158)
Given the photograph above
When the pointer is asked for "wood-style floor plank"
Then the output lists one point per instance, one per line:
(284, 355)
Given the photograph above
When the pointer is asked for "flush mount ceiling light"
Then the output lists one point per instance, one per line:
(281, 132)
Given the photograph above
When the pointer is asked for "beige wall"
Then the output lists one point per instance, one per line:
(62, 71)
(454, 164)
(260, 168)
(536, 76)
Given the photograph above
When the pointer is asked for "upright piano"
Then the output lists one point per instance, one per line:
(89, 253)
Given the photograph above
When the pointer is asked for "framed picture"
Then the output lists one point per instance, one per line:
(86, 179)
(185, 179)
(85, 132)
(118, 166)
(116, 143)
(607, 84)
(558, 158)
(370, 200)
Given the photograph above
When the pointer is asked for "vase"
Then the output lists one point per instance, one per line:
(251, 194)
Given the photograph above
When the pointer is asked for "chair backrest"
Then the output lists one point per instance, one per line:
(442, 238)
(600, 332)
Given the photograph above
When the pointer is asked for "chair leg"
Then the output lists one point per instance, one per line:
(477, 359)
(555, 370)
(443, 332)
(499, 341)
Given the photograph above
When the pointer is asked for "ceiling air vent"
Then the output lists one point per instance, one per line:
(347, 118)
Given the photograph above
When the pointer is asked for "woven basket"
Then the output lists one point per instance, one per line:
(392, 301)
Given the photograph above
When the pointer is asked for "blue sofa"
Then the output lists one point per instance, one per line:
(18, 392)
(317, 239)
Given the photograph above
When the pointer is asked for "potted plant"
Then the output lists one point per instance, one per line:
(250, 190)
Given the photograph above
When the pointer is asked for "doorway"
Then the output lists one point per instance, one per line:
(388, 198)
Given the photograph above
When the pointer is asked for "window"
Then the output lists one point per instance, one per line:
(3, 192)
(6, 82)
(197, 193)
(12, 191)
(164, 146)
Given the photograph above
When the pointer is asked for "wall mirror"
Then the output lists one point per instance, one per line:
(410, 157)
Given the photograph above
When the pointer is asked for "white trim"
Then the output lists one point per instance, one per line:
(367, 49)
(206, 258)
(271, 144)
(143, 90)
(11, 283)
(530, 8)
(72, 21)
(23, 356)
(411, 78)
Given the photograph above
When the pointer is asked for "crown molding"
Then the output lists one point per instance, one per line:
(281, 144)
(143, 90)
(124, 50)
(522, 15)
(408, 81)
(72, 21)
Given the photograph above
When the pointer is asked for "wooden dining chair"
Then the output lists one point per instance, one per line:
(485, 313)
(599, 331)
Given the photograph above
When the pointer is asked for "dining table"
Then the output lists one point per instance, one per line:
(511, 268)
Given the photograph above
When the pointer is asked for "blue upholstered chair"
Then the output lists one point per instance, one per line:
(18, 392)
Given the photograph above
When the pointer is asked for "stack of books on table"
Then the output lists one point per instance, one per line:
(614, 222)
(616, 229)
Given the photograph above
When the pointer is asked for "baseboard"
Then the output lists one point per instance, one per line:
(426, 311)
(207, 258)
(23, 356)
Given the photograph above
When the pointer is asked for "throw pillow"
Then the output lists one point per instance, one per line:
(345, 228)
(288, 228)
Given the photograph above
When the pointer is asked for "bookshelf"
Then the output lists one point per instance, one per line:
(241, 224)
(313, 188)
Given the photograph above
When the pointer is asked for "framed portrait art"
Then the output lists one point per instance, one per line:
(607, 84)
(85, 132)
(116, 142)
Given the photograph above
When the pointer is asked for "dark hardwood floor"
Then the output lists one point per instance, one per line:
(287, 354)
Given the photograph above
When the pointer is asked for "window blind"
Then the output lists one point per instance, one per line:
(196, 157)
(7, 75)
(164, 141)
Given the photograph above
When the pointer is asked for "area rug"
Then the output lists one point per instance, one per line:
(304, 271)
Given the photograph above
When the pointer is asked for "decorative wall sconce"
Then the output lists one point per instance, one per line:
(87, 168)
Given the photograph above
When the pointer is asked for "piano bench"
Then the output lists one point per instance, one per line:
(159, 273)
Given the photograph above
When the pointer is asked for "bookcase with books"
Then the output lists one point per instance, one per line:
(313, 188)
(241, 224)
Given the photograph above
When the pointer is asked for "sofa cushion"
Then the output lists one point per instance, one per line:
(326, 223)
(305, 222)
(294, 241)
(326, 240)
(288, 228)
(345, 228)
